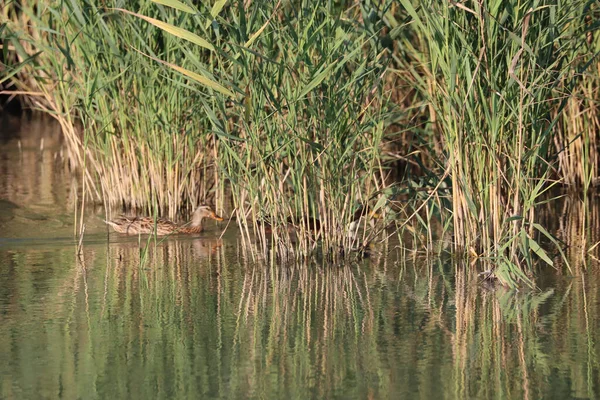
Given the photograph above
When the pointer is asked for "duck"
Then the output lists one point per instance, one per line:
(147, 225)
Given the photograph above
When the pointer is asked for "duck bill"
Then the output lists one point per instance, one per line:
(216, 217)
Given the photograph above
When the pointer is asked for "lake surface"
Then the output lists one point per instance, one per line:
(198, 317)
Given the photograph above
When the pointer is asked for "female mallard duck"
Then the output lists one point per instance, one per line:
(147, 225)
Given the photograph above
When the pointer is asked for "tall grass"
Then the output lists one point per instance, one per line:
(308, 136)
(495, 74)
(304, 140)
(145, 146)
(291, 107)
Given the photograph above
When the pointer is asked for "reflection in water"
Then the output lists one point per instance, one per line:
(35, 186)
(195, 317)
(189, 319)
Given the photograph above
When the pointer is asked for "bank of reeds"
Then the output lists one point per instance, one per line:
(310, 111)
(497, 76)
(142, 140)
(300, 137)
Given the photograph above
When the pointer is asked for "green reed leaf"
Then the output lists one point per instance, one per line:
(173, 30)
(177, 5)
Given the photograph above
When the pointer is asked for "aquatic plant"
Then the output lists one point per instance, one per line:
(305, 137)
(496, 76)
(291, 108)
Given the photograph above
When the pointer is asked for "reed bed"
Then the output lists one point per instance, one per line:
(439, 118)
(138, 144)
(497, 77)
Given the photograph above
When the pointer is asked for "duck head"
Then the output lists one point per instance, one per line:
(204, 212)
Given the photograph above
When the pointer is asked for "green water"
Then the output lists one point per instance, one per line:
(197, 317)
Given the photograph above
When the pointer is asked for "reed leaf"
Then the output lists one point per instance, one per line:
(176, 4)
(173, 30)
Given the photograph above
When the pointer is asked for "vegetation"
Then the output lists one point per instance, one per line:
(460, 116)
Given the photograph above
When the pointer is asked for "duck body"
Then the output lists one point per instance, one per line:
(161, 226)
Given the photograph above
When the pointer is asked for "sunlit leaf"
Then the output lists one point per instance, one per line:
(380, 203)
(173, 30)
(195, 76)
(201, 79)
(256, 35)
(176, 4)
(217, 7)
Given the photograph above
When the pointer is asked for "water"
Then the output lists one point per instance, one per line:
(195, 317)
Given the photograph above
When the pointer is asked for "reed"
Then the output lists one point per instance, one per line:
(312, 125)
(303, 144)
(442, 117)
(134, 132)
(495, 77)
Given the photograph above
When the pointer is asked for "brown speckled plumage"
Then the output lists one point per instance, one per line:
(147, 225)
